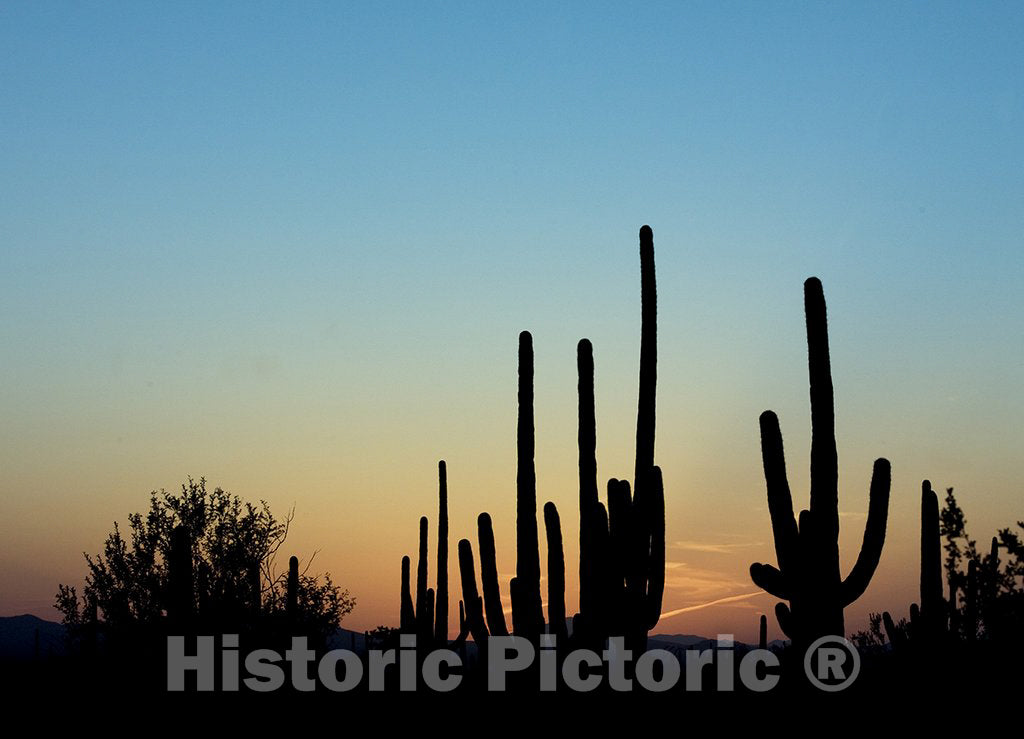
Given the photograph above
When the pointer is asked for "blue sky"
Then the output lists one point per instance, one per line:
(288, 241)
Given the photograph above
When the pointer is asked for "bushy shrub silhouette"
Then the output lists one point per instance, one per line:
(198, 560)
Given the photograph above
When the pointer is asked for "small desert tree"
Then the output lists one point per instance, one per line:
(235, 582)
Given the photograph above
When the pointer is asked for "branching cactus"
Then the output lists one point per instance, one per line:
(808, 574)
(622, 549)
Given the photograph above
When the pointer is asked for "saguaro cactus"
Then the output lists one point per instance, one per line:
(292, 595)
(408, 611)
(527, 612)
(424, 626)
(556, 573)
(927, 621)
(489, 577)
(762, 632)
(808, 575)
(622, 550)
(441, 599)
(933, 611)
(181, 603)
(645, 574)
(590, 573)
(473, 614)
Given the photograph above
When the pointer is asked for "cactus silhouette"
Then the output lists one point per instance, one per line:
(762, 632)
(933, 609)
(181, 604)
(424, 627)
(808, 574)
(927, 621)
(489, 577)
(556, 573)
(473, 615)
(591, 542)
(527, 612)
(441, 598)
(408, 611)
(622, 548)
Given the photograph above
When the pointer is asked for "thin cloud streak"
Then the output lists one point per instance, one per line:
(719, 601)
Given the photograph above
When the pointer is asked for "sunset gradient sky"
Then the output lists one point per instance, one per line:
(290, 246)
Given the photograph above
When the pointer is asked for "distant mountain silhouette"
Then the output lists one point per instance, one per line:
(18, 636)
(17, 639)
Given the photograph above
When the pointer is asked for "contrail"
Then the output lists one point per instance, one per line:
(727, 599)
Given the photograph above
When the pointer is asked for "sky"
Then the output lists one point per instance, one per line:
(289, 247)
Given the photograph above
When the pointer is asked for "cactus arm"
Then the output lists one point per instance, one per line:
(656, 562)
(874, 535)
(460, 640)
(515, 594)
(597, 621)
(770, 580)
(896, 636)
(619, 510)
(780, 501)
(489, 577)
(429, 619)
(556, 573)
(824, 460)
(473, 618)
(785, 618)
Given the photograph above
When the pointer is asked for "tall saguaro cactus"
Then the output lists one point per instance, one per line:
(424, 626)
(808, 575)
(590, 572)
(527, 612)
(441, 598)
(622, 550)
(408, 610)
(933, 610)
